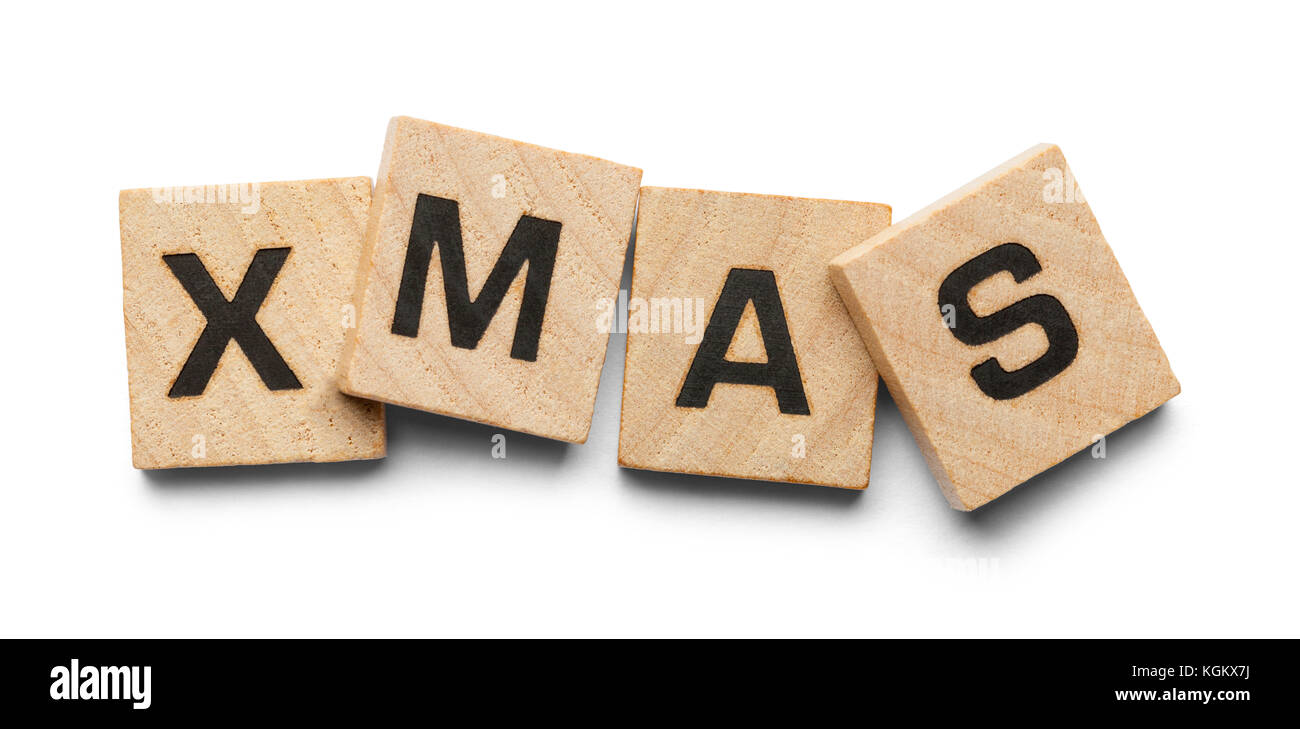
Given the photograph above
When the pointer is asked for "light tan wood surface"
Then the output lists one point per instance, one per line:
(981, 440)
(689, 243)
(303, 240)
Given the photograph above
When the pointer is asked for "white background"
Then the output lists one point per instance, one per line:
(1180, 122)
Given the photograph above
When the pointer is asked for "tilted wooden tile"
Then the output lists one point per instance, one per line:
(741, 360)
(236, 298)
(449, 322)
(1004, 328)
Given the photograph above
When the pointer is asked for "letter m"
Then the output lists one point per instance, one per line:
(437, 225)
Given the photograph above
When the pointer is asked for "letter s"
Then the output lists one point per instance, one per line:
(1042, 309)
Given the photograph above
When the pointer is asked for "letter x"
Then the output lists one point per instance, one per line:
(234, 319)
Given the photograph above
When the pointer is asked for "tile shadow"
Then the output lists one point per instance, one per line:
(1049, 489)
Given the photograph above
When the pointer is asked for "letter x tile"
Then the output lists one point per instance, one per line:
(236, 299)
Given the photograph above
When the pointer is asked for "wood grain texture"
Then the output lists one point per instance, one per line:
(979, 447)
(237, 419)
(688, 242)
(494, 182)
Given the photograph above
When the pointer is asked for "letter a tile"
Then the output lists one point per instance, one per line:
(741, 360)
(1004, 328)
(236, 300)
(487, 264)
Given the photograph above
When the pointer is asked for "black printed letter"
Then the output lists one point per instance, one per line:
(710, 366)
(437, 223)
(227, 320)
(1046, 311)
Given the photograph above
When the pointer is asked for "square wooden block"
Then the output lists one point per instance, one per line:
(1004, 328)
(486, 260)
(236, 298)
(741, 359)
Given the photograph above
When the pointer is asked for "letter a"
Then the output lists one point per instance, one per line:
(710, 366)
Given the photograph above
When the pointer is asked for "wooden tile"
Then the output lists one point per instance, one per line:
(765, 376)
(1004, 328)
(485, 263)
(236, 299)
